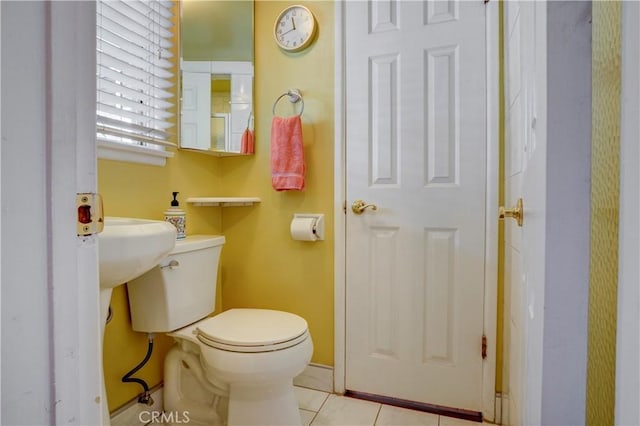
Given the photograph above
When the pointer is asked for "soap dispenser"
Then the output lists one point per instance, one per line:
(175, 215)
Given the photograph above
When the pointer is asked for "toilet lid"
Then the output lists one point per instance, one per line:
(252, 330)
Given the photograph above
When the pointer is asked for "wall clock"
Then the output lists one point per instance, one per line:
(295, 28)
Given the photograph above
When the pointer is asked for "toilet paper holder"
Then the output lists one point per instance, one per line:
(318, 224)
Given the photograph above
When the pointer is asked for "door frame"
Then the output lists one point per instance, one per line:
(628, 329)
(47, 162)
(491, 226)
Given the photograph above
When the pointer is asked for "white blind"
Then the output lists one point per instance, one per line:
(134, 76)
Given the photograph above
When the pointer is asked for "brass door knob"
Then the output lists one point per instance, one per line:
(517, 212)
(359, 206)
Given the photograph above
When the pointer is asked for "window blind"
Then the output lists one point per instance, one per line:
(134, 79)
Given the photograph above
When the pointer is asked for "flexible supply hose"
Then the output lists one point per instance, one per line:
(145, 397)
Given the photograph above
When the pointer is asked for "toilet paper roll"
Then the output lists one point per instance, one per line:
(302, 229)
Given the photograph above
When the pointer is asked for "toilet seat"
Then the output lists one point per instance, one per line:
(252, 330)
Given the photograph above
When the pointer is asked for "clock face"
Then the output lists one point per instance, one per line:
(295, 28)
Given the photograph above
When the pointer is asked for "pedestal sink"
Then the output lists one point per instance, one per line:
(127, 248)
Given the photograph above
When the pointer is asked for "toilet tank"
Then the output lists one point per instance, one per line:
(180, 290)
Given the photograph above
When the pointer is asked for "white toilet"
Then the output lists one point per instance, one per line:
(249, 356)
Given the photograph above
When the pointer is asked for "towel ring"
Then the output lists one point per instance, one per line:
(294, 96)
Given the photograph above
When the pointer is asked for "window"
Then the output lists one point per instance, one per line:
(135, 82)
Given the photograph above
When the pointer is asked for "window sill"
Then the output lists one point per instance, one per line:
(132, 154)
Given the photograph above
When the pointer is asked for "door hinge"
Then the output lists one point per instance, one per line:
(90, 219)
(486, 1)
(484, 347)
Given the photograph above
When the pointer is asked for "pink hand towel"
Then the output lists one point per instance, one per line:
(246, 143)
(287, 156)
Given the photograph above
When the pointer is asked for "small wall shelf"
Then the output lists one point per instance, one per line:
(223, 201)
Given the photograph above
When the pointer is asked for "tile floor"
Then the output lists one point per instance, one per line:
(321, 408)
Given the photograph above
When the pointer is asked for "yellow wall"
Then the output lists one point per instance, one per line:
(260, 266)
(604, 212)
(263, 267)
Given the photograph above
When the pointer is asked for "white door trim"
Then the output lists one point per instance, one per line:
(77, 350)
(49, 155)
(491, 260)
(628, 338)
(491, 227)
(340, 186)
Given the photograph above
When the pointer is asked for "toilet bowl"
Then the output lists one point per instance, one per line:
(253, 354)
(234, 368)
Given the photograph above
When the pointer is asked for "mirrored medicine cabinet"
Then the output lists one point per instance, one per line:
(216, 67)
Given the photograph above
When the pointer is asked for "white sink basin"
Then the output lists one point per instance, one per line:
(130, 247)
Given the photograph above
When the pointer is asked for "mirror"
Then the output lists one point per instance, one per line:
(216, 64)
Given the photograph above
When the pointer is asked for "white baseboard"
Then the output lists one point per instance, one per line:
(502, 409)
(316, 376)
(498, 409)
(136, 414)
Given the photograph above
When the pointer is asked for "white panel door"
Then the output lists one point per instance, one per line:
(416, 148)
(525, 177)
(51, 348)
(196, 110)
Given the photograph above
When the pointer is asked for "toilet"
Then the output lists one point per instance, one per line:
(234, 368)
